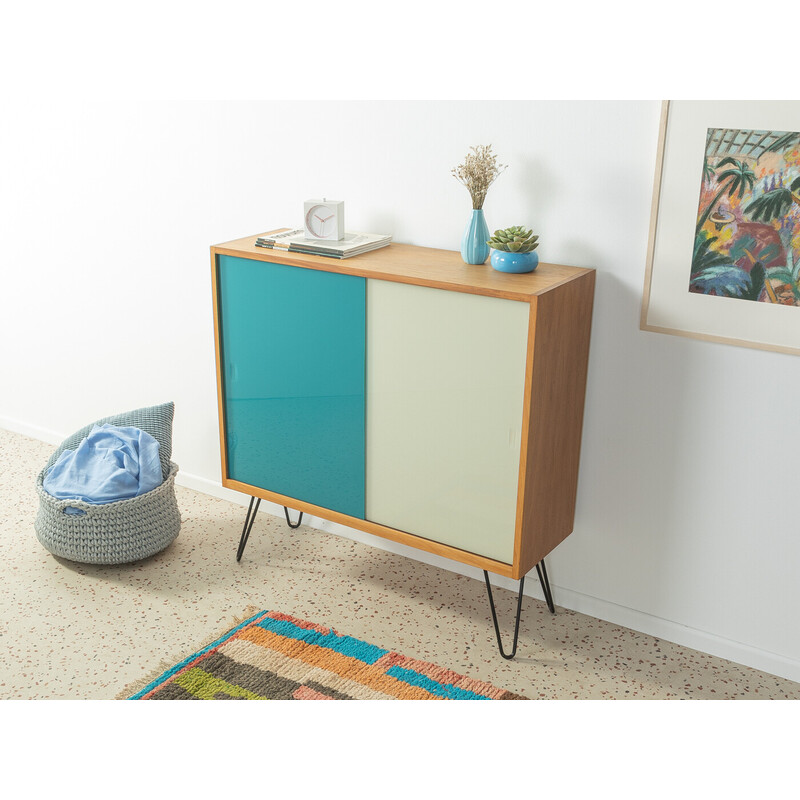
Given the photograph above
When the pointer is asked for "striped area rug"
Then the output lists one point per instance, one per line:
(273, 656)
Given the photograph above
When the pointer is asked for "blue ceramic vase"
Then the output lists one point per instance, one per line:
(514, 262)
(474, 249)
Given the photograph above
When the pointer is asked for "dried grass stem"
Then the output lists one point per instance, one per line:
(478, 172)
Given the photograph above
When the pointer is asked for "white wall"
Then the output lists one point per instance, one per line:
(685, 525)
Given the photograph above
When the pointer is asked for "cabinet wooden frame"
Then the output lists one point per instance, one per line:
(560, 302)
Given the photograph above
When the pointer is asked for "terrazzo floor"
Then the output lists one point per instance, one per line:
(74, 631)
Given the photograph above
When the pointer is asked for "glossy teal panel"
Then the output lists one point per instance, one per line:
(292, 344)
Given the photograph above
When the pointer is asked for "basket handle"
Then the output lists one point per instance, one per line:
(73, 511)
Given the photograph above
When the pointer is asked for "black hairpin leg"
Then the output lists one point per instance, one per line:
(548, 594)
(248, 525)
(548, 597)
(251, 518)
(513, 652)
(288, 521)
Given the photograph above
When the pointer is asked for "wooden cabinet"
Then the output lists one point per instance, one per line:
(406, 394)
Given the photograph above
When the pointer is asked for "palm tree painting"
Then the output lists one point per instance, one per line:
(747, 236)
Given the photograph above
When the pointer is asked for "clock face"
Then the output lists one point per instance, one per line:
(321, 222)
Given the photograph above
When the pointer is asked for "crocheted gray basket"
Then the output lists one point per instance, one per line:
(119, 532)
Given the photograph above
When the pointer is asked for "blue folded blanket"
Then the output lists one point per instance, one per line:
(110, 464)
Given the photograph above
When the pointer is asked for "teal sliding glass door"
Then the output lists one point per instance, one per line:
(292, 348)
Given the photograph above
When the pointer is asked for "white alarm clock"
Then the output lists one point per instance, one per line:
(324, 219)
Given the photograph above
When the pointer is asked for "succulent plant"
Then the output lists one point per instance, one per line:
(516, 239)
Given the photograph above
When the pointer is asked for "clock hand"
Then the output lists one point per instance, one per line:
(319, 218)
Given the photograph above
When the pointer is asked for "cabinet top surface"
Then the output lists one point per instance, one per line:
(425, 266)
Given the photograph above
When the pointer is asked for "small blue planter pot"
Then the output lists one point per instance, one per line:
(514, 262)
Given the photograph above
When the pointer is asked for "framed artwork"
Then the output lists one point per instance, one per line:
(723, 261)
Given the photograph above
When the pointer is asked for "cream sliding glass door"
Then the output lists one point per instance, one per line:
(445, 384)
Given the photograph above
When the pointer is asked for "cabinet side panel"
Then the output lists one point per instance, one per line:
(560, 360)
(445, 387)
(292, 353)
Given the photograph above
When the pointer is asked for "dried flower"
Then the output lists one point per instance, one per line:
(478, 172)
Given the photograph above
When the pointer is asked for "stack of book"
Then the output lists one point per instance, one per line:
(295, 241)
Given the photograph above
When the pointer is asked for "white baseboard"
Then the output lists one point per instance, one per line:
(209, 487)
(32, 431)
(682, 635)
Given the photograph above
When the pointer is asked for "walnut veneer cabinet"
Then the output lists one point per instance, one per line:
(406, 394)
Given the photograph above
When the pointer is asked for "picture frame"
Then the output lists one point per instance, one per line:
(725, 224)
